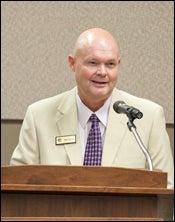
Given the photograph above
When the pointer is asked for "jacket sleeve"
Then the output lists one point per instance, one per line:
(27, 151)
(160, 148)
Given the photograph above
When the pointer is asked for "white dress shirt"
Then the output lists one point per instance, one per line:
(84, 124)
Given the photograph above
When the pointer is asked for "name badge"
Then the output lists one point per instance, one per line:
(60, 140)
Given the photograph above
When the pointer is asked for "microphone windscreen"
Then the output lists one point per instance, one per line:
(116, 106)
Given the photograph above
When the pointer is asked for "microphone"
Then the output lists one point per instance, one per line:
(131, 112)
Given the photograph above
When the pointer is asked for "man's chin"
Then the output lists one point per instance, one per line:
(101, 94)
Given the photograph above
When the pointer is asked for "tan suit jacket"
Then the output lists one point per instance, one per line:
(57, 116)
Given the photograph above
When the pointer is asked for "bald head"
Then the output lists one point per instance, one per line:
(95, 63)
(95, 37)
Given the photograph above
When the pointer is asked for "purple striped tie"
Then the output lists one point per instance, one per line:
(93, 152)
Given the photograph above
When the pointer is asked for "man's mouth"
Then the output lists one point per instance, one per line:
(99, 82)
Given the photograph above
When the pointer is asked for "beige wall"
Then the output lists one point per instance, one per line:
(37, 37)
(10, 133)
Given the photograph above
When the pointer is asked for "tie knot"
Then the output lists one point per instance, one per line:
(94, 118)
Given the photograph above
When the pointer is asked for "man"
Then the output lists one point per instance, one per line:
(55, 130)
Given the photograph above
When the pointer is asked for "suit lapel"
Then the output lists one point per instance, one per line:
(67, 123)
(115, 132)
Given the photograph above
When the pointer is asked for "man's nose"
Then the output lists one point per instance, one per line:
(102, 70)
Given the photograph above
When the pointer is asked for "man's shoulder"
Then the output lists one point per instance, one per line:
(52, 102)
(137, 101)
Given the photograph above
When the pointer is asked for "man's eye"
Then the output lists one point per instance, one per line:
(93, 63)
(111, 64)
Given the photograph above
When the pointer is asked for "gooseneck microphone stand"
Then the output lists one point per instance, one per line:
(132, 128)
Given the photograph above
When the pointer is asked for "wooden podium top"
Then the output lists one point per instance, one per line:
(52, 192)
(91, 179)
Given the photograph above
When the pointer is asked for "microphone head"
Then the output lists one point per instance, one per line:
(130, 111)
(116, 106)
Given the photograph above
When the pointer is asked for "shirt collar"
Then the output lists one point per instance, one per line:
(84, 112)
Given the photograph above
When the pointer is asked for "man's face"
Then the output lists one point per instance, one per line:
(96, 70)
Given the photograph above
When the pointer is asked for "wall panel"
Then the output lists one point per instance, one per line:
(37, 37)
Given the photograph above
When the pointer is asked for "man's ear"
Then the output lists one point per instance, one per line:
(119, 61)
(71, 61)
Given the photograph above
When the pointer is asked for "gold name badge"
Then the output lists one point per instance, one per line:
(60, 140)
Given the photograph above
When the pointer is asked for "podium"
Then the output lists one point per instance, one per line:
(83, 193)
